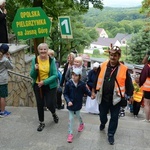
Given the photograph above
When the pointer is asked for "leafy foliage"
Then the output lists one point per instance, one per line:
(139, 45)
(73, 8)
(114, 20)
(96, 52)
(145, 7)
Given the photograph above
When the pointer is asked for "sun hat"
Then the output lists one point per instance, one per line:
(4, 48)
(77, 71)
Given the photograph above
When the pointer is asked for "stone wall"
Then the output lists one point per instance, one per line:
(20, 84)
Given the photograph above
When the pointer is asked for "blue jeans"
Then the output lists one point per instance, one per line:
(105, 108)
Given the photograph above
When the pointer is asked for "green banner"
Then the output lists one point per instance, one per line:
(31, 23)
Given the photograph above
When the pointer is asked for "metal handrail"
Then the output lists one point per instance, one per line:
(21, 75)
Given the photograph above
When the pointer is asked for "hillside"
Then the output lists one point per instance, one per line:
(112, 14)
(115, 20)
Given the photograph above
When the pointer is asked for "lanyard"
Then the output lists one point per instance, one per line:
(112, 73)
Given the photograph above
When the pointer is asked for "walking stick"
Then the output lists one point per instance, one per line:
(36, 61)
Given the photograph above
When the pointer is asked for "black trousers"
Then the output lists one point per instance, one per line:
(47, 95)
(59, 99)
(136, 107)
(106, 107)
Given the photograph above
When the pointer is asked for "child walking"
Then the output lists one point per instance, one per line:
(137, 96)
(73, 94)
(5, 64)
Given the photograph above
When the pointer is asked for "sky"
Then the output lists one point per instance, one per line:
(122, 3)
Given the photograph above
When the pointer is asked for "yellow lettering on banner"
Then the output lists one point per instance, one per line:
(35, 13)
(18, 23)
(29, 14)
(20, 33)
(42, 31)
(30, 32)
(30, 23)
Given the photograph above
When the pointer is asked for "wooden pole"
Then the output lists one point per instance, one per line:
(36, 61)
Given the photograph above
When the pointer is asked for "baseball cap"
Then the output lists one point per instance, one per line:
(4, 48)
(96, 65)
(77, 71)
(115, 49)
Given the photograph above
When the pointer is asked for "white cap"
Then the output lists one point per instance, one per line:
(2, 1)
(96, 65)
(77, 71)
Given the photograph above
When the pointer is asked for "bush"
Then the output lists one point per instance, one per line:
(96, 52)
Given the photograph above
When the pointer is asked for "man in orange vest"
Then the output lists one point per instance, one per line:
(111, 72)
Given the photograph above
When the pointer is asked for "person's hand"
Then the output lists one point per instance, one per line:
(93, 95)
(7, 55)
(70, 104)
(36, 66)
(40, 84)
(87, 87)
(131, 100)
(5, 11)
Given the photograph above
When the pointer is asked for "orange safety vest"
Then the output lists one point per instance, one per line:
(146, 85)
(121, 77)
(137, 95)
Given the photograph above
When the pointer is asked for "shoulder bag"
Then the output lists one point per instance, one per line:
(123, 101)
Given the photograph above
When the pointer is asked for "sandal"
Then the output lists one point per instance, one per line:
(55, 117)
(41, 127)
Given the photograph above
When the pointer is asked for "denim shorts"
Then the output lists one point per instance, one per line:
(3, 90)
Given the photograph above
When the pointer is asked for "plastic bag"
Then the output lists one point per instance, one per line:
(92, 105)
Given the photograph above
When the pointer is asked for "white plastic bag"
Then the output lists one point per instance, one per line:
(92, 105)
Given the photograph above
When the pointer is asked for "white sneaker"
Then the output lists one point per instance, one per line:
(135, 116)
(148, 121)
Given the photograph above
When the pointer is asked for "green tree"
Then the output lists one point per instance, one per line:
(74, 9)
(138, 46)
(145, 7)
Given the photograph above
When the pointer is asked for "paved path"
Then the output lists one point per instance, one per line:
(18, 132)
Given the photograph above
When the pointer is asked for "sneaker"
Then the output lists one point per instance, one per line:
(122, 114)
(62, 106)
(70, 138)
(45, 109)
(41, 127)
(4, 114)
(81, 127)
(102, 127)
(135, 116)
(55, 117)
(145, 120)
(111, 140)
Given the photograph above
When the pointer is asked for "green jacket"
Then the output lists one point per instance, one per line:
(53, 76)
